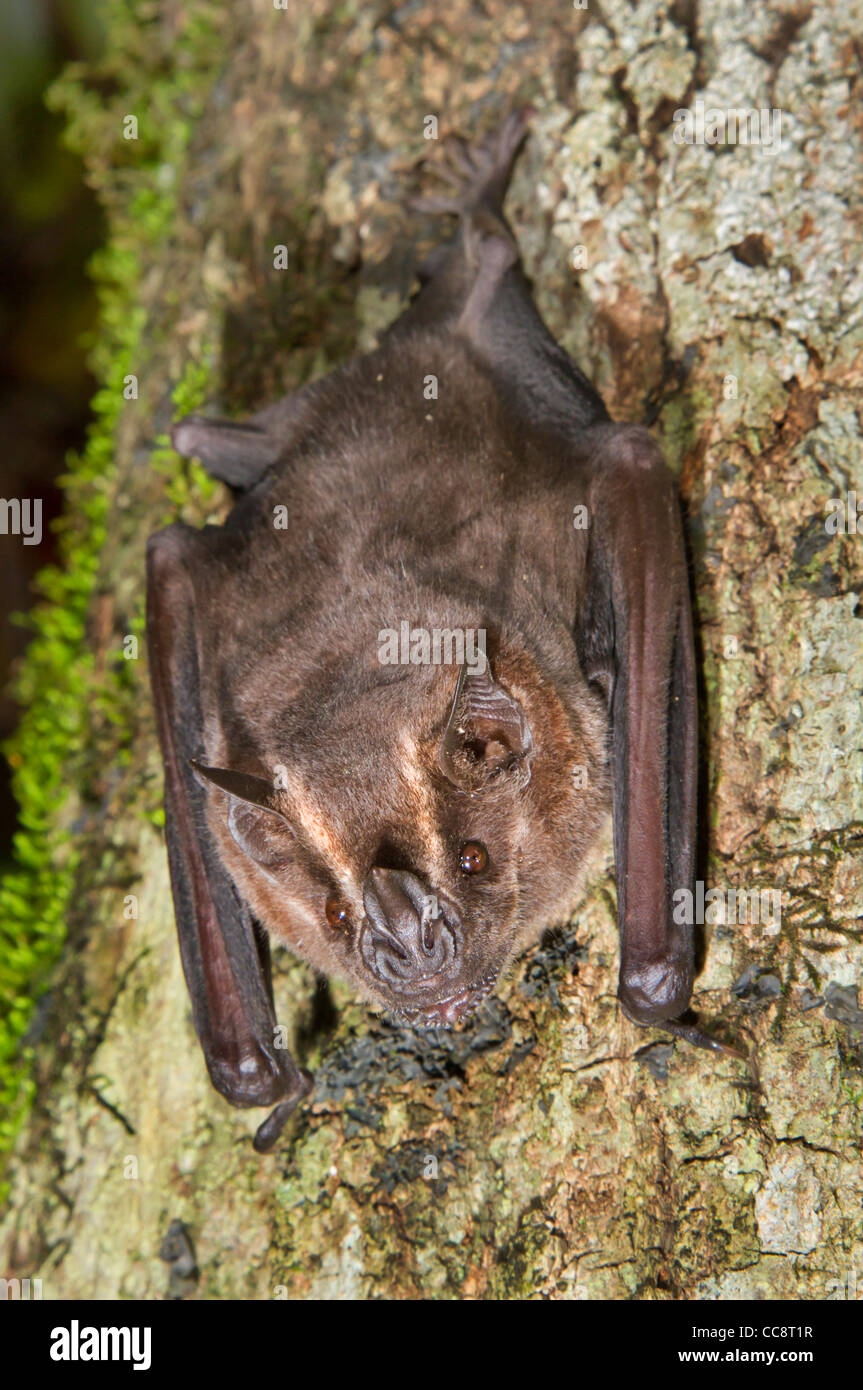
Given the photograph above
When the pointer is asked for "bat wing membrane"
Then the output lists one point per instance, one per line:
(225, 956)
(634, 633)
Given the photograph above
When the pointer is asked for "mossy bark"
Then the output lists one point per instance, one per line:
(548, 1149)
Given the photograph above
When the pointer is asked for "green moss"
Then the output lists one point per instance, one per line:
(680, 423)
(163, 81)
(182, 483)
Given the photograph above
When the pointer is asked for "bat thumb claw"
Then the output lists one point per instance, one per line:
(694, 1035)
(270, 1129)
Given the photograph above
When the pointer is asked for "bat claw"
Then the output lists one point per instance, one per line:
(270, 1129)
(693, 1035)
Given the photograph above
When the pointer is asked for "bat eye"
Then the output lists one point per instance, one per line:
(473, 857)
(336, 913)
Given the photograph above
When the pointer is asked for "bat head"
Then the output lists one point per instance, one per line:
(420, 831)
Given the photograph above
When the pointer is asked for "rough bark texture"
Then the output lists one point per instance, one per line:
(549, 1148)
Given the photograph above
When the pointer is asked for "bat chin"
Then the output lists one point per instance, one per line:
(443, 1012)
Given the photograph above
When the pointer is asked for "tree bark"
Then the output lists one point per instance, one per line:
(549, 1148)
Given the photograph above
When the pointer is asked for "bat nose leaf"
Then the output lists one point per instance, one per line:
(402, 942)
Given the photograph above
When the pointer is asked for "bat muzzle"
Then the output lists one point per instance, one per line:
(409, 940)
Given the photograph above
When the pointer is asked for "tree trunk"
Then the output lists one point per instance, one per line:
(549, 1148)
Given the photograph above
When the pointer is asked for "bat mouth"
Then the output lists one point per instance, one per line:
(447, 1010)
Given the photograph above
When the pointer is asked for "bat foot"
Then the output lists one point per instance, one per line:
(270, 1129)
(477, 174)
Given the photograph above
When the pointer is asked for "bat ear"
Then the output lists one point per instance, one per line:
(255, 819)
(242, 785)
(487, 733)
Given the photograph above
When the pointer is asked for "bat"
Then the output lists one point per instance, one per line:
(446, 624)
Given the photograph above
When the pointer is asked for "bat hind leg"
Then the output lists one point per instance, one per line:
(475, 178)
(474, 288)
